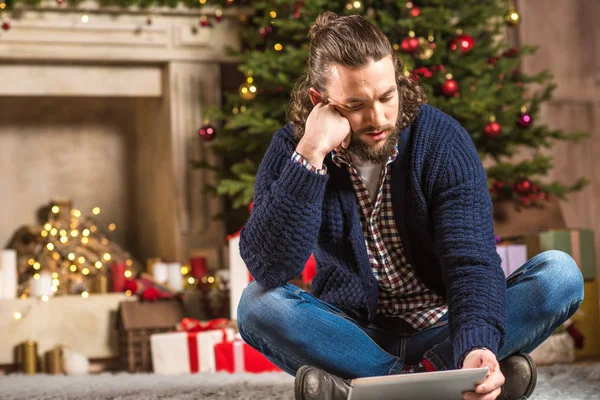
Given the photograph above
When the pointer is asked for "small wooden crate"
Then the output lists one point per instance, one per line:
(136, 321)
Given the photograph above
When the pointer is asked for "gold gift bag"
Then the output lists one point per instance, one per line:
(587, 321)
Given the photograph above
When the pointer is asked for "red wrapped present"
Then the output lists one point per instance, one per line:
(237, 356)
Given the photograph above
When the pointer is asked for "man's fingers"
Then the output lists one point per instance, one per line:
(488, 396)
(347, 140)
(492, 382)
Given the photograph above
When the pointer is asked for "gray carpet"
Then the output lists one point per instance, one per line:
(576, 382)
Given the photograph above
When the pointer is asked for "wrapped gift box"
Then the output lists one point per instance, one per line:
(177, 353)
(513, 257)
(587, 321)
(579, 243)
(237, 356)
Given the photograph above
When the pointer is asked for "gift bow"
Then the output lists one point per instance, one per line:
(193, 325)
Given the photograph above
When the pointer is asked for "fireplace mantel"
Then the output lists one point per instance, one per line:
(170, 72)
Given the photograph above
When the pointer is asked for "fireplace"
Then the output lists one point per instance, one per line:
(105, 113)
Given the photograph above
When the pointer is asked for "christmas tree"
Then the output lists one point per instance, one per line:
(456, 49)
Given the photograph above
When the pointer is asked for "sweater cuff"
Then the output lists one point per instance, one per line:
(465, 341)
(301, 183)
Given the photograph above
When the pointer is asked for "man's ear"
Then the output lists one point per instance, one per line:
(315, 96)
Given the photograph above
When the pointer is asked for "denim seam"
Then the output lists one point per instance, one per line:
(394, 370)
(435, 359)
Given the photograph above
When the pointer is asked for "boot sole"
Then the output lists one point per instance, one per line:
(533, 382)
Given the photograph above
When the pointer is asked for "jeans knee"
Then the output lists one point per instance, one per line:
(256, 305)
(560, 277)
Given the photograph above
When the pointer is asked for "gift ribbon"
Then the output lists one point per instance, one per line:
(192, 340)
(193, 325)
(238, 356)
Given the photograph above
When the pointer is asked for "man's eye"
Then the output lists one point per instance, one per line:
(354, 108)
(385, 99)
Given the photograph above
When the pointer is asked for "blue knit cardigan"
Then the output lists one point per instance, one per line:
(442, 210)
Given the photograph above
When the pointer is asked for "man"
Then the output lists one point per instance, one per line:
(391, 197)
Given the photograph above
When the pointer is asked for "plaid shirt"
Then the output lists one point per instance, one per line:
(401, 293)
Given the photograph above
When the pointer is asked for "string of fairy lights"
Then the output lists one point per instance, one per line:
(75, 251)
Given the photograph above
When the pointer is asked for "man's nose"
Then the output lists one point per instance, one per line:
(376, 115)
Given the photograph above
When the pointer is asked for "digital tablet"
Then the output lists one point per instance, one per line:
(438, 385)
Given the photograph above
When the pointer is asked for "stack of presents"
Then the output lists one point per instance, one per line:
(156, 336)
(579, 337)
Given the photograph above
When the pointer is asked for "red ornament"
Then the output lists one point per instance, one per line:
(525, 120)
(5, 26)
(207, 133)
(131, 285)
(511, 52)
(450, 87)
(151, 294)
(523, 187)
(463, 42)
(409, 44)
(493, 60)
(423, 71)
(251, 206)
(204, 21)
(493, 130)
(415, 11)
(218, 16)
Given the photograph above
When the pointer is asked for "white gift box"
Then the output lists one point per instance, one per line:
(177, 353)
(238, 275)
(558, 348)
(8, 274)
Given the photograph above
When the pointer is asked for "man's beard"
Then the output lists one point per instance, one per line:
(379, 155)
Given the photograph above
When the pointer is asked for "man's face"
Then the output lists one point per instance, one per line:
(368, 98)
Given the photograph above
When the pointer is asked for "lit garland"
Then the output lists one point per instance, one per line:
(73, 249)
(11, 4)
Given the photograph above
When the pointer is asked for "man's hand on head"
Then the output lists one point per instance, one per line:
(490, 388)
(326, 130)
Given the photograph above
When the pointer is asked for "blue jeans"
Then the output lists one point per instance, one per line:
(292, 328)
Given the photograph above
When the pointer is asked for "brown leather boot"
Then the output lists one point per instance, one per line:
(521, 376)
(312, 383)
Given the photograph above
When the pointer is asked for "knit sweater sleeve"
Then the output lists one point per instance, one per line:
(282, 230)
(465, 246)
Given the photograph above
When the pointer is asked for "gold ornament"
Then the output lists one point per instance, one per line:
(512, 16)
(425, 51)
(248, 89)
